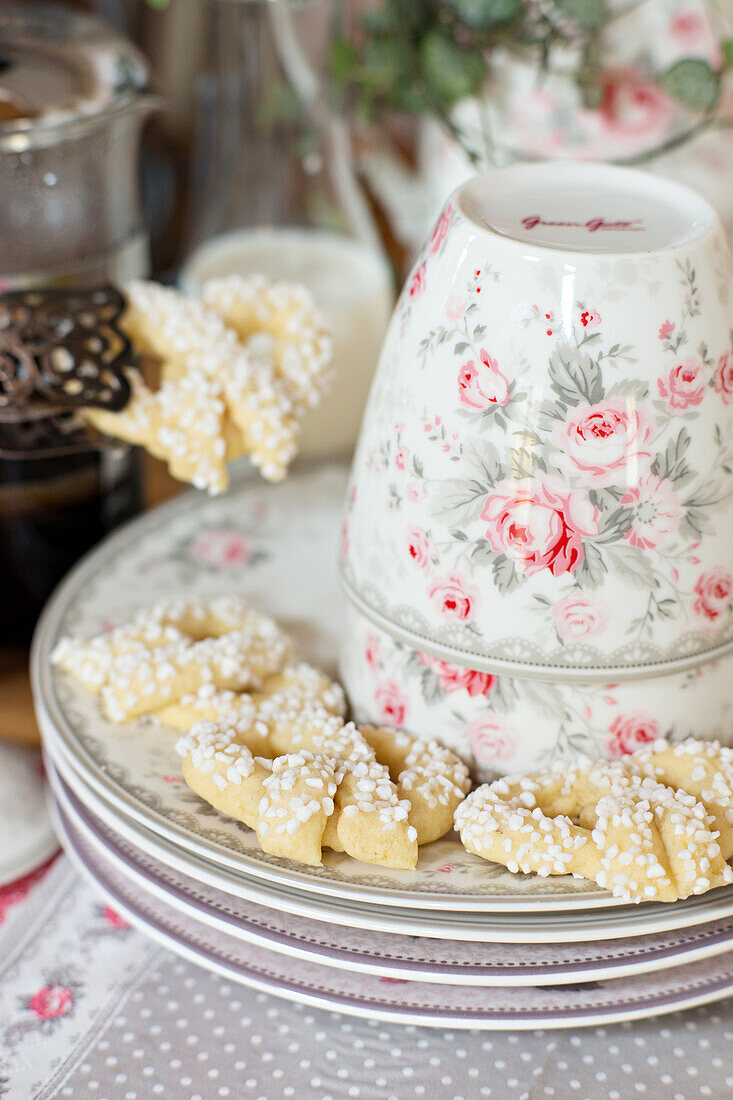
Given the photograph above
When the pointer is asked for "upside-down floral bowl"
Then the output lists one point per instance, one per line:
(543, 484)
(503, 724)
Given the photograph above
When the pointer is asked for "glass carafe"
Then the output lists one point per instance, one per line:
(274, 191)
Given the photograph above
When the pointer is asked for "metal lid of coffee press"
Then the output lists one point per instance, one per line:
(59, 67)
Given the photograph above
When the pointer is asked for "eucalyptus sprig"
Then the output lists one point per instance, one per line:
(419, 56)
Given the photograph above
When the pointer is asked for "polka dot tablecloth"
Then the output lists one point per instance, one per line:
(90, 1008)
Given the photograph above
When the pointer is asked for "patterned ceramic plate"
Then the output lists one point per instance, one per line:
(381, 954)
(28, 839)
(569, 927)
(422, 1003)
(276, 546)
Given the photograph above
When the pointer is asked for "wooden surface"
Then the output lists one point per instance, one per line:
(17, 721)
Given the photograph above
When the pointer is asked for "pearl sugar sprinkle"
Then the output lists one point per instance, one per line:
(654, 826)
(264, 737)
(220, 394)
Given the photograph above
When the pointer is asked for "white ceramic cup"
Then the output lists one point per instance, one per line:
(543, 485)
(503, 724)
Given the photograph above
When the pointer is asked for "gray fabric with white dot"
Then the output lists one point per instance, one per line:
(147, 1024)
(185, 1033)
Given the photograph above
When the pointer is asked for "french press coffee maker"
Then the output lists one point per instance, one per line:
(73, 98)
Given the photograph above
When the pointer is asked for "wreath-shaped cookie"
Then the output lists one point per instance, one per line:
(266, 741)
(655, 826)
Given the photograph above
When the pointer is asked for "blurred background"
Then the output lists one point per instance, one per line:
(362, 115)
(342, 126)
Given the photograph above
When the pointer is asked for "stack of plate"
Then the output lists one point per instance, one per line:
(418, 947)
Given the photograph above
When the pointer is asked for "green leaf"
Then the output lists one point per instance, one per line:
(482, 14)
(615, 525)
(450, 72)
(667, 608)
(591, 570)
(588, 14)
(672, 463)
(728, 54)
(575, 377)
(629, 387)
(430, 684)
(632, 564)
(482, 462)
(343, 61)
(506, 577)
(482, 552)
(524, 462)
(459, 500)
(694, 524)
(382, 21)
(383, 64)
(693, 83)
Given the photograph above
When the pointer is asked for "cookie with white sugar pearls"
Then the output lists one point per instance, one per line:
(216, 399)
(631, 825)
(267, 741)
(702, 768)
(299, 345)
(293, 695)
(393, 792)
(210, 704)
(428, 776)
(289, 695)
(389, 766)
(219, 765)
(172, 650)
(333, 789)
(390, 772)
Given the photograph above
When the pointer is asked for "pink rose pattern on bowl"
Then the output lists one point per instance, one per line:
(524, 119)
(503, 724)
(635, 115)
(530, 119)
(524, 454)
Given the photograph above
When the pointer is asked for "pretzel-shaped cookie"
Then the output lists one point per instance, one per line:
(702, 768)
(305, 686)
(392, 792)
(641, 839)
(216, 399)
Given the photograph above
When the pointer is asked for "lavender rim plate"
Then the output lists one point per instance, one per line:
(381, 954)
(416, 1003)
